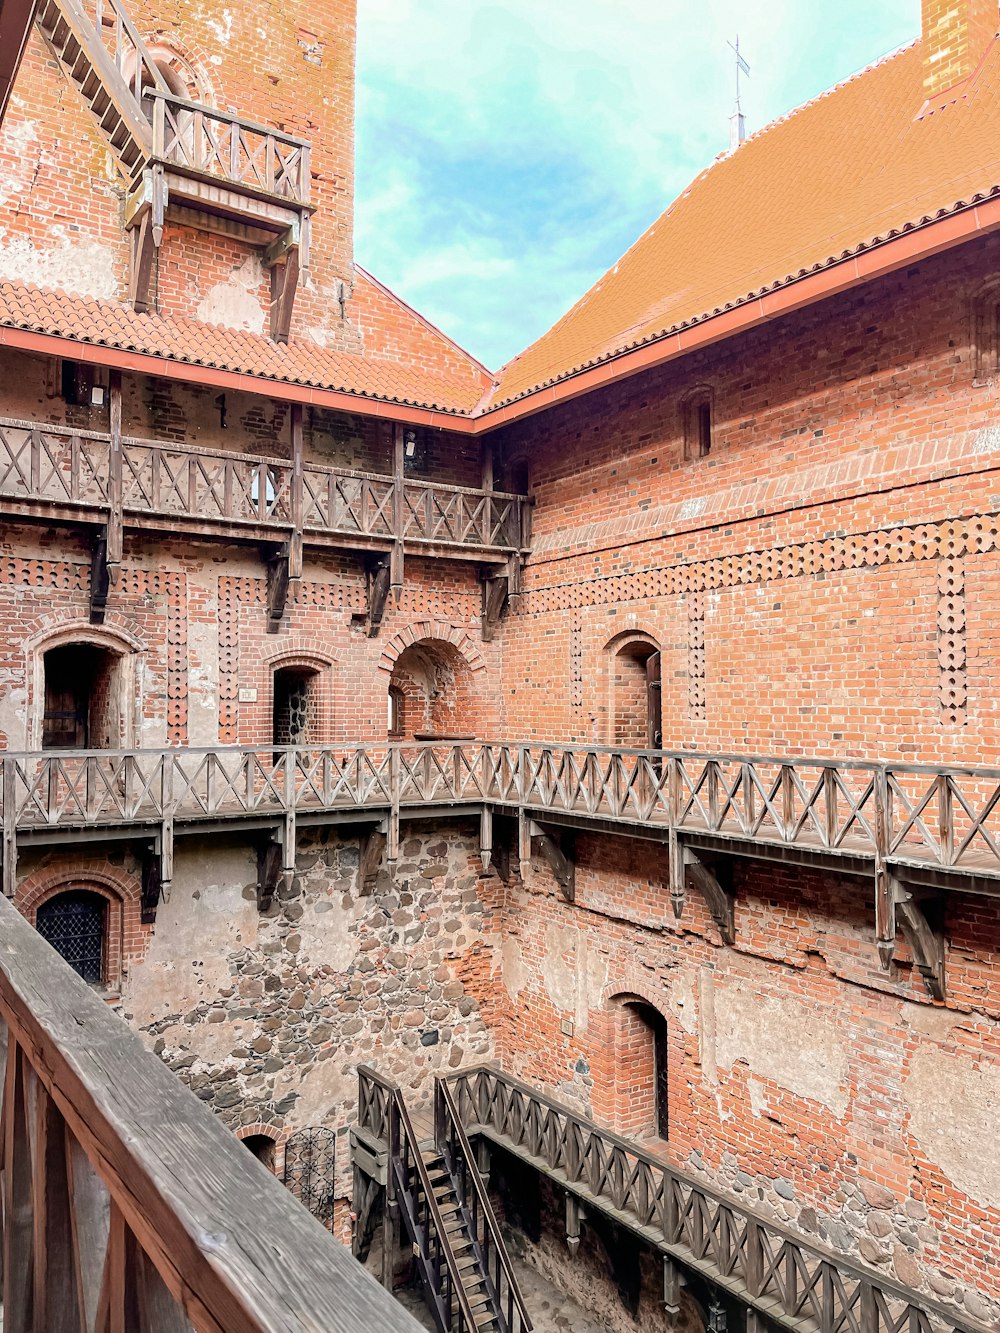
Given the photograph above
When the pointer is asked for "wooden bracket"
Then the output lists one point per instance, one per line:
(676, 878)
(278, 577)
(145, 236)
(501, 594)
(270, 857)
(559, 859)
(501, 861)
(151, 885)
(378, 580)
(719, 898)
(921, 921)
(284, 281)
(100, 577)
(372, 844)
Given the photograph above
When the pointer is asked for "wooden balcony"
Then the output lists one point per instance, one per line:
(784, 1279)
(58, 474)
(913, 831)
(127, 1205)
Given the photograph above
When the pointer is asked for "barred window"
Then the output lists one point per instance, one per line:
(75, 924)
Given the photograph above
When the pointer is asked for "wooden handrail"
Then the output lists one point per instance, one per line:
(397, 1163)
(447, 1122)
(191, 1221)
(477, 1089)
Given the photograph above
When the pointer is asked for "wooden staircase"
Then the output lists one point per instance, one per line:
(204, 168)
(465, 1271)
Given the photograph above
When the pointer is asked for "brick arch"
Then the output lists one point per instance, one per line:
(260, 660)
(634, 987)
(436, 692)
(126, 938)
(431, 629)
(626, 690)
(627, 1098)
(279, 1136)
(43, 636)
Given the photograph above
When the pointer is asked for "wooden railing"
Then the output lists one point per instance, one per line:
(776, 1271)
(494, 1261)
(126, 1203)
(909, 814)
(56, 465)
(112, 28)
(196, 139)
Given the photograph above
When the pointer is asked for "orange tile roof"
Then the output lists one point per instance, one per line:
(406, 360)
(855, 167)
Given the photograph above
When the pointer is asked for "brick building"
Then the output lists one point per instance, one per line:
(362, 708)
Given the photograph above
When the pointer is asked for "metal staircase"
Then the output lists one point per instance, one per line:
(465, 1271)
(181, 159)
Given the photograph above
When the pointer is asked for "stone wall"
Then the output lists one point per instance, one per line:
(267, 1015)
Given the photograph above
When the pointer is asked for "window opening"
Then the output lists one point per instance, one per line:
(414, 451)
(656, 1025)
(74, 924)
(698, 423)
(261, 1147)
(294, 710)
(397, 712)
(704, 429)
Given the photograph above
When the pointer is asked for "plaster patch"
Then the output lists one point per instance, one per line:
(82, 268)
(14, 718)
(515, 973)
(188, 958)
(330, 936)
(17, 138)
(322, 1093)
(234, 304)
(784, 1040)
(953, 1116)
(574, 975)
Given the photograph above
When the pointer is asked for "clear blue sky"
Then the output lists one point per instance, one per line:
(509, 153)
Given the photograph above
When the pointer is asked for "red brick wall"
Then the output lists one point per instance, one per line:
(800, 1077)
(824, 581)
(956, 35)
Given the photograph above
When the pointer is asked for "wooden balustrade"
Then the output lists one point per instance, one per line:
(126, 1203)
(943, 818)
(43, 465)
(191, 137)
(777, 1272)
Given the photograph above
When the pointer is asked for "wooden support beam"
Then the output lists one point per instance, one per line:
(501, 860)
(676, 878)
(269, 868)
(9, 827)
(575, 1215)
(495, 600)
(142, 252)
(371, 846)
(149, 898)
(284, 281)
(673, 1281)
(116, 527)
(298, 462)
(278, 576)
(756, 1322)
(559, 860)
(56, 1298)
(486, 837)
(100, 577)
(719, 898)
(378, 579)
(921, 920)
(487, 464)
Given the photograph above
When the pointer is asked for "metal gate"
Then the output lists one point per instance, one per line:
(310, 1159)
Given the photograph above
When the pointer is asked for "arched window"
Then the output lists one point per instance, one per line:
(75, 924)
(639, 1101)
(295, 705)
(262, 1148)
(986, 333)
(699, 424)
(436, 697)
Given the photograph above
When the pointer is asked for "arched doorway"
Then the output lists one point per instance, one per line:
(84, 706)
(75, 924)
(262, 1146)
(636, 703)
(431, 694)
(639, 1101)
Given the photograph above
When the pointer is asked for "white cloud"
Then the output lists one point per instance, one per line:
(508, 153)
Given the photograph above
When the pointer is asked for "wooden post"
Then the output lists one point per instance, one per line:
(885, 907)
(486, 837)
(9, 827)
(486, 461)
(398, 482)
(114, 550)
(295, 542)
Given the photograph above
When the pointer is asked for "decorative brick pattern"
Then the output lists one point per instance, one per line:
(951, 640)
(696, 654)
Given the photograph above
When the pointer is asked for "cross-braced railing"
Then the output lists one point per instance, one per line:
(777, 1272)
(126, 1202)
(905, 814)
(193, 138)
(57, 466)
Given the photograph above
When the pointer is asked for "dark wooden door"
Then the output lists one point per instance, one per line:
(654, 724)
(64, 725)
